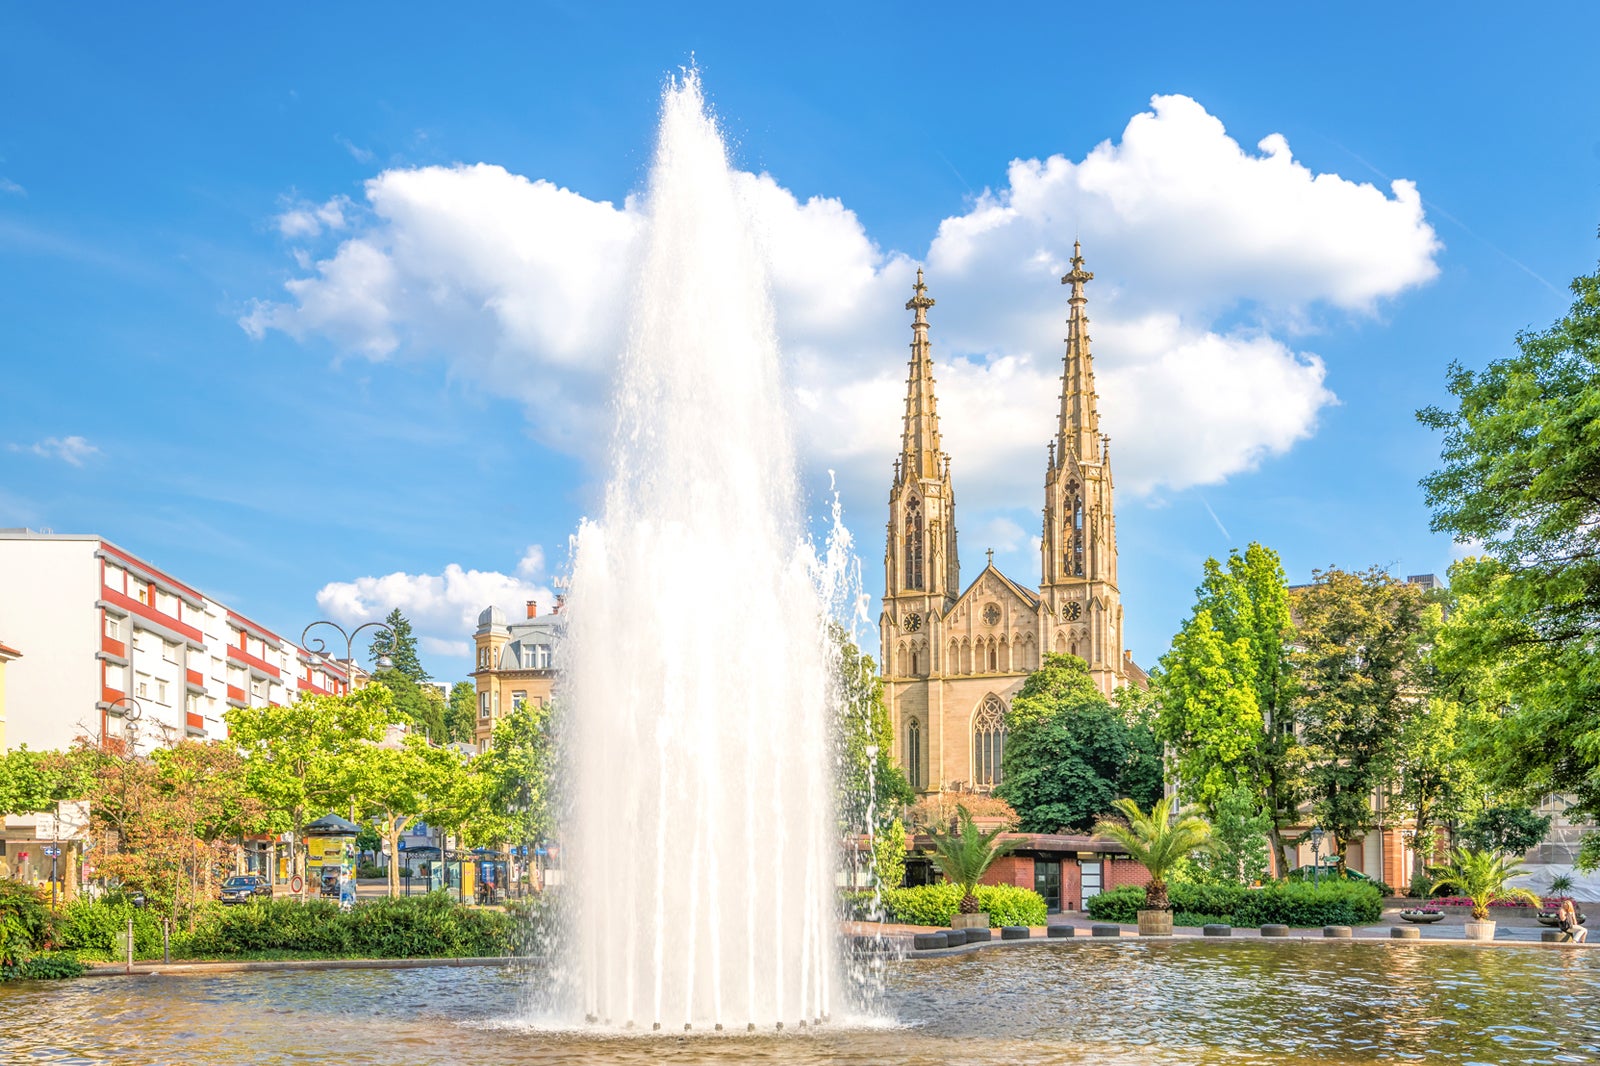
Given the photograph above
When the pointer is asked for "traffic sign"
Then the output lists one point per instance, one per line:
(402, 843)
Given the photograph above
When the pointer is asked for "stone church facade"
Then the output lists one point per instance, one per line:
(954, 657)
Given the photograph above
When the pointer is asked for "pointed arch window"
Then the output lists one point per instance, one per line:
(1072, 535)
(913, 540)
(914, 753)
(988, 741)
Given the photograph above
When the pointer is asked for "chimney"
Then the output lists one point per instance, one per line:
(561, 601)
(533, 609)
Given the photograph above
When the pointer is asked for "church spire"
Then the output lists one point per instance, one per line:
(921, 456)
(1079, 431)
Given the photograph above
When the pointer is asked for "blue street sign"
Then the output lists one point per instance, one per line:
(51, 850)
(540, 851)
(402, 843)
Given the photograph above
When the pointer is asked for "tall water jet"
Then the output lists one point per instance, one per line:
(696, 681)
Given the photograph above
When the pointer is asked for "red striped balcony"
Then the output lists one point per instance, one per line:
(113, 647)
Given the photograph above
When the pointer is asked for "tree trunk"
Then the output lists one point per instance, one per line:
(1276, 851)
(1155, 896)
(391, 828)
(969, 904)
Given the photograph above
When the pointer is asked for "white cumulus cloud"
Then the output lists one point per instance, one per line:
(1214, 265)
(443, 608)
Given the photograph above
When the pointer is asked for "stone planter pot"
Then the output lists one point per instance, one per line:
(1479, 930)
(970, 921)
(1155, 923)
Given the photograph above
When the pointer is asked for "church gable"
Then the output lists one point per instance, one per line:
(992, 628)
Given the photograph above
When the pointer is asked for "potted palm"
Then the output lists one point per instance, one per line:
(1158, 841)
(1481, 876)
(964, 854)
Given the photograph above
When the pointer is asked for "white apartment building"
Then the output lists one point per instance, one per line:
(117, 648)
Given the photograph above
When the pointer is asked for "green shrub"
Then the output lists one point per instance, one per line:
(430, 926)
(937, 904)
(49, 966)
(91, 926)
(1296, 903)
(24, 920)
(1120, 904)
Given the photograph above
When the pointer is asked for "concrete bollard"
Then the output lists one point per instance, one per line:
(1105, 930)
(1550, 936)
(1015, 932)
(930, 941)
(978, 936)
(1057, 931)
(1216, 929)
(1338, 932)
(1274, 930)
(1405, 932)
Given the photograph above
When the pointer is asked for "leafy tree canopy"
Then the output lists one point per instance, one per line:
(1358, 670)
(1069, 754)
(461, 716)
(864, 744)
(1520, 474)
(1504, 830)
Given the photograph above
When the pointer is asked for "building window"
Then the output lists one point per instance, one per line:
(914, 753)
(913, 539)
(113, 627)
(483, 657)
(169, 651)
(483, 705)
(161, 692)
(167, 603)
(518, 699)
(116, 578)
(988, 741)
(1093, 880)
(141, 686)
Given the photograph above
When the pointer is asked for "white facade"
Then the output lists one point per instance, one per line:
(107, 633)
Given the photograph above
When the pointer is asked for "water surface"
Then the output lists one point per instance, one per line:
(1127, 1002)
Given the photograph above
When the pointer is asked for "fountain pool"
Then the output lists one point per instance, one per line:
(1040, 1004)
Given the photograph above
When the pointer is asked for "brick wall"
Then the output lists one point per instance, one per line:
(1011, 870)
(1121, 872)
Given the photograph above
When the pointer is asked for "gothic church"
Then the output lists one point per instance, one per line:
(953, 658)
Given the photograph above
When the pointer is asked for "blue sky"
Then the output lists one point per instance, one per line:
(267, 322)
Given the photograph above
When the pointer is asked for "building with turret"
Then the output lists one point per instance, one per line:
(514, 664)
(954, 656)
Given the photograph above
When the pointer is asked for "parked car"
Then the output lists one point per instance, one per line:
(245, 887)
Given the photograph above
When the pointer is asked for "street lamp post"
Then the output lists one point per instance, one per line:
(1316, 858)
(319, 647)
(132, 712)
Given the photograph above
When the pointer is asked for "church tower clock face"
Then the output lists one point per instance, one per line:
(912, 622)
(1072, 611)
(991, 614)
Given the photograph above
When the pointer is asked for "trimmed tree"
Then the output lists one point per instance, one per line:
(965, 853)
(1156, 841)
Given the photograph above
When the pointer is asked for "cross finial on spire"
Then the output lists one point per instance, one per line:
(1077, 275)
(921, 301)
(991, 556)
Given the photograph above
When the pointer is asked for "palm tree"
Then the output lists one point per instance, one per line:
(1156, 841)
(964, 853)
(1481, 876)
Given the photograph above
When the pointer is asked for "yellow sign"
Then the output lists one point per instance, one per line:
(327, 851)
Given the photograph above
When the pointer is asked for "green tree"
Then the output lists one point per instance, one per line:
(1069, 754)
(1520, 474)
(420, 705)
(1239, 833)
(398, 782)
(1357, 665)
(864, 745)
(1158, 841)
(1226, 690)
(965, 853)
(1436, 768)
(400, 647)
(298, 759)
(1504, 830)
(516, 779)
(461, 716)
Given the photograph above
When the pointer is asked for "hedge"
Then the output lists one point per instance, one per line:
(1285, 903)
(937, 904)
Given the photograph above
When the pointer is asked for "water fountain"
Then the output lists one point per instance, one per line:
(696, 672)
(701, 851)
